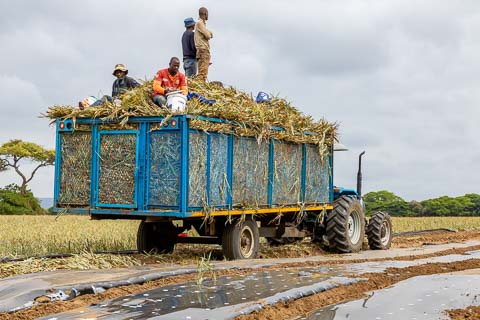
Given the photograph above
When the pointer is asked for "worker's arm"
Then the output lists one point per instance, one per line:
(183, 85)
(192, 44)
(157, 87)
(202, 28)
(133, 83)
(157, 84)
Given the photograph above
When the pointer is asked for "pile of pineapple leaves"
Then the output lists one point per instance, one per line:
(276, 119)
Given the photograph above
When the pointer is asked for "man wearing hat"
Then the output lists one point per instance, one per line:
(189, 50)
(121, 85)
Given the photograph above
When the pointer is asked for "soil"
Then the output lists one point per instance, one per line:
(469, 313)
(435, 238)
(301, 307)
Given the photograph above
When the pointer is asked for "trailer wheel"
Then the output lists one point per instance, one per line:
(346, 225)
(379, 231)
(156, 236)
(240, 239)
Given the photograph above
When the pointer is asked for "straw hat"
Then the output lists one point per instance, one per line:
(120, 67)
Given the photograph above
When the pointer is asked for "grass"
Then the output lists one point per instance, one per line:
(22, 236)
(41, 235)
(404, 224)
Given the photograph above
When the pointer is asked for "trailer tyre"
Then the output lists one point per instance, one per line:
(346, 225)
(240, 239)
(379, 231)
(159, 237)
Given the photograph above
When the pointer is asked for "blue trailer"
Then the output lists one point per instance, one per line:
(231, 189)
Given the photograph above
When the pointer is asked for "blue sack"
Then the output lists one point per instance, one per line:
(262, 97)
(202, 99)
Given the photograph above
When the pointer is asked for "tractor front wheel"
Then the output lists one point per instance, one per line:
(379, 231)
(346, 225)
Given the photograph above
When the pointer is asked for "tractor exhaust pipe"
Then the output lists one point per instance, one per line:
(359, 174)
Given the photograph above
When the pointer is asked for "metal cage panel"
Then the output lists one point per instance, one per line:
(218, 169)
(164, 165)
(75, 168)
(117, 168)
(250, 172)
(317, 186)
(287, 173)
(197, 196)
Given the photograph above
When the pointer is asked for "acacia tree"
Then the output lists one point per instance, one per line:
(3, 165)
(14, 152)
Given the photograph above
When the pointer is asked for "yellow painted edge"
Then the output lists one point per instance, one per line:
(259, 211)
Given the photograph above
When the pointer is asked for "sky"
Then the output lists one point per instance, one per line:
(401, 77)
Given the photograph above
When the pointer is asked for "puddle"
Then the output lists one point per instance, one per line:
(381, 266)
(222, 294)
(238, 294)
(423, 297)
(20, 291)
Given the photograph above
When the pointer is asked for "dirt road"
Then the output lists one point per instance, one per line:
(324, 286)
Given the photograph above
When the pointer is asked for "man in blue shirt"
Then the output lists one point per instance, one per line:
(189, 50)
(120, 86)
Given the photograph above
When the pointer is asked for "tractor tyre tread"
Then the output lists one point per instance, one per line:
(374, 230)
(337, 226)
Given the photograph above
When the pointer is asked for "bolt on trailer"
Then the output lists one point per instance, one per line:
(231, 189)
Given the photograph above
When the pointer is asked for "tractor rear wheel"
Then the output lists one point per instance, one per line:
(379, 231)
(346, 225)
(240, 239)
(159, 237)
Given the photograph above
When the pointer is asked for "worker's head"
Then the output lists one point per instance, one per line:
(120, 70)
(173, 66)
(203, 13)
(189, 23)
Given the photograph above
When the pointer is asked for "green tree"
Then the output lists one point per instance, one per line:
(386, 201)
(12, 201)
(475, 200)
(448, 206)
(14, 152)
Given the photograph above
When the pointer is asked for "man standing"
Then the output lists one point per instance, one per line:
(202, 36)
(121, 85)
(168, 80)
(189, 50)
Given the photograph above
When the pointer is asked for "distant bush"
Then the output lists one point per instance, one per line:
(467, 205)
(12, 201)
(387, 201)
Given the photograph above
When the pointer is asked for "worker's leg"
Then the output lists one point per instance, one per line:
(190, 66)
(203, 57)
(160, 100)
(101, 101)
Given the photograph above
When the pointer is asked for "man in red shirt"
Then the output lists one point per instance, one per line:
(168, 80)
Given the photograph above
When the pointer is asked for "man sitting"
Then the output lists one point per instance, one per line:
(168, 80)
(121, 85)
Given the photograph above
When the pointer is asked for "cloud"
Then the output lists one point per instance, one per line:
(400, 76)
